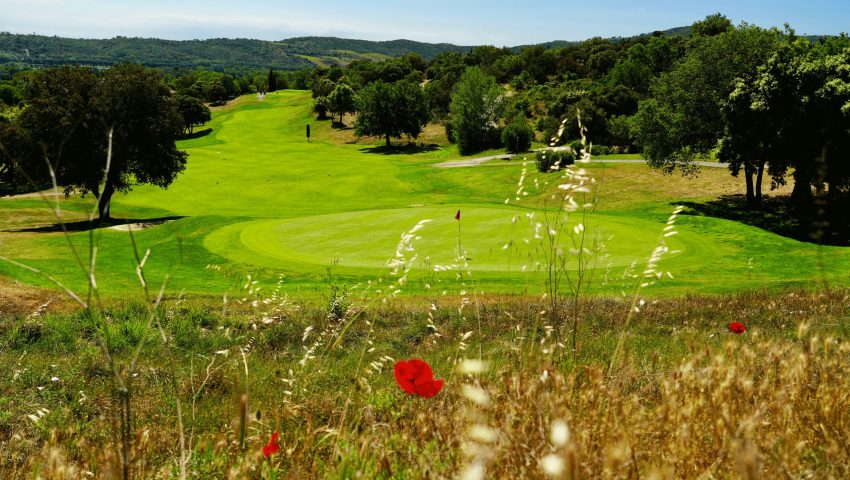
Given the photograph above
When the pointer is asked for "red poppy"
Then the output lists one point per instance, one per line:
(737, 328)
(416, 377)
(272, 447)
(457, 215)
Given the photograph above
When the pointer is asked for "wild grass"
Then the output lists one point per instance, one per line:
(687, 398)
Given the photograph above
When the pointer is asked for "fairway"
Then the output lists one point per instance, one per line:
(257, 198)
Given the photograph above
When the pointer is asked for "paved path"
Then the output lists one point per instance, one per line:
(472, 162)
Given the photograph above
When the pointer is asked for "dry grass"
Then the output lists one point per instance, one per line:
(628, 182)
(689, 399)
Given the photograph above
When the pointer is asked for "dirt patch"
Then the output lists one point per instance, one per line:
(17, 298)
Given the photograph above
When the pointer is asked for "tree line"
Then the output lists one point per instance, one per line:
(769, 103)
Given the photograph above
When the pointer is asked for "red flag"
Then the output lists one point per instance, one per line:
(457, 215)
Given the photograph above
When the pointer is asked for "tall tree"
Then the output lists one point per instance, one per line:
(138, 107)
(391, 110)
(802, 94)
(70, 115)
(341, 101)
(682, 119)
(193, 112)
(272, 81)
(476, 109)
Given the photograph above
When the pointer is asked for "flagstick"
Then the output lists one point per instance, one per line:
(459, 249)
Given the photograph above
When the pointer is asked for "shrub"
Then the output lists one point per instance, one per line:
(576, 145)
(548, 128)
(600, 150)
(320, 107)
(517, 136)
(546, 159)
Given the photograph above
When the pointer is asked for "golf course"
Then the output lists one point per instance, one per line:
(258, 199)
(559, 242)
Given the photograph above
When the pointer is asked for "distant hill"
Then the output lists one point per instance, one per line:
(220, 53)
(293, 53)
(670, 32)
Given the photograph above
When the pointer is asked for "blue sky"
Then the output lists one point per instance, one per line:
(468, 22)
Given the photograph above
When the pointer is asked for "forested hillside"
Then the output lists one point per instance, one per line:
(293, 53)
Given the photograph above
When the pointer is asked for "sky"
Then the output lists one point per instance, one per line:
(463, 22)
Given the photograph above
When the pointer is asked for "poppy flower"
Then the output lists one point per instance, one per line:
(273, 446)
(737, 328)
(416, 377)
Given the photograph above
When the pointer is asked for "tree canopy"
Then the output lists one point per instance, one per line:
(75, 118)
(476, 109)
(391, 110)
(682, 118)
(341, 101)
(193, 112)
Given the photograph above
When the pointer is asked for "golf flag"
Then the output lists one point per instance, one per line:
(457, 215)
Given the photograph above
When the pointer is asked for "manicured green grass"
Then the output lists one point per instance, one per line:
(257, 198)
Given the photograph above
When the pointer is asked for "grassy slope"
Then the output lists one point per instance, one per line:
(259, 199)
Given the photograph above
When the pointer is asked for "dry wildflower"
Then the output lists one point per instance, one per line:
(560, 434)
(553, 465)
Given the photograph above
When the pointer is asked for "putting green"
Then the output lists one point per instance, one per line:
(367, 239)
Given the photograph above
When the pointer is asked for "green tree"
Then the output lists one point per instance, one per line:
(138, 107)
(323, 87)
(216, 92)
(60, 125)
(71, 113)
(193, 112)
(793, 115)
(643, 62)
(391, 110)
(10, 95)
(517, 136)
(11, 178)
(341, 101)
(272, 81)
(476, 109)
(712, 25)
(619, 131)
(682, 119)
(320, 107)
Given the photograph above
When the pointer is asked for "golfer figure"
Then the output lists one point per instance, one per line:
(308, 133)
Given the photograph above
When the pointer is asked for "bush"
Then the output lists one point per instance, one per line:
(576, 145)
(548, 128)
(517, 136)
(600, 150)
(320, 107)
(546, 159)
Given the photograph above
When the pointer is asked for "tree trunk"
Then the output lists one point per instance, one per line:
(104, 201)
(748, 176)
(759, 177)
(802, 194)
(388, 140)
